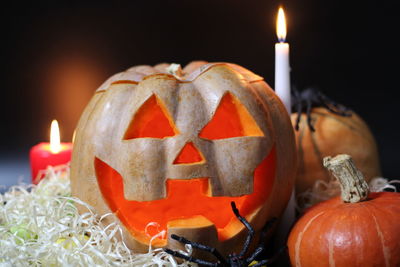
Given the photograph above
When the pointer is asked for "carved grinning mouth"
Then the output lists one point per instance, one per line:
(188, 198)
(185, 199)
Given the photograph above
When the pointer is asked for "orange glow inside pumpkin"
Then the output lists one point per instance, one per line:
(152, 121)
(187, 198)
(231, 119)
(189, 154)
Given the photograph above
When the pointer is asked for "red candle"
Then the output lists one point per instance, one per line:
(49, 154)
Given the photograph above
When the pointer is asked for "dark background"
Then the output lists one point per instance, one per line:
(55, 54)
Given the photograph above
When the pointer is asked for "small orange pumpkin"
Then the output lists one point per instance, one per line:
(176, 148)
(357, 229)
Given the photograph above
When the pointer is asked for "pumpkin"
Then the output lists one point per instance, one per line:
(334, 134)
(173, 149)
(357, 229)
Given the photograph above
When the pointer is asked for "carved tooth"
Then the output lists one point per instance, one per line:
(136, 189)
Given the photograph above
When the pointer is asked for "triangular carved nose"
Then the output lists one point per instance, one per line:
(189, 154)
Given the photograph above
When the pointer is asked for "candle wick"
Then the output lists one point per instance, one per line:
(281, 40)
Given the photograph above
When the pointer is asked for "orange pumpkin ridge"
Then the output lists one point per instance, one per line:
(339, 234)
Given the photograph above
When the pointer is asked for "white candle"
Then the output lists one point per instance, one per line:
(282, 68)
(282, 89)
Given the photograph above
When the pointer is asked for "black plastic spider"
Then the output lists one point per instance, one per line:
(233, 260)
(310, 98)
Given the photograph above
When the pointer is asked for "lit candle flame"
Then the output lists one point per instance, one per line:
(55, 144)
(281, 25)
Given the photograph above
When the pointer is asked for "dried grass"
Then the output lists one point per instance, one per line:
(40, 226)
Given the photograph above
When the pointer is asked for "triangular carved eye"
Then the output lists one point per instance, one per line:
(152, 121)
(231, 119)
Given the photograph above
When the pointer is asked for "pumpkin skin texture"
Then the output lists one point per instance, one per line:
(175, 150)
(333, 135)
(334, 233)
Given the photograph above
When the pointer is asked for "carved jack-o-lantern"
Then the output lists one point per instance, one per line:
(176, 150)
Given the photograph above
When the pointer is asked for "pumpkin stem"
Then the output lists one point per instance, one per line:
(352, 183)
(175, 69)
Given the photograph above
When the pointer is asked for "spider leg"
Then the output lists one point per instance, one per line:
(191, 259)
(334, 107)
(209, 249)
(339, 110)
(295, 95)
(254, 255)
(271, 260)
(250, 235)
(298, 111)
(261, 245)
(309, 106)
(296, 102)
